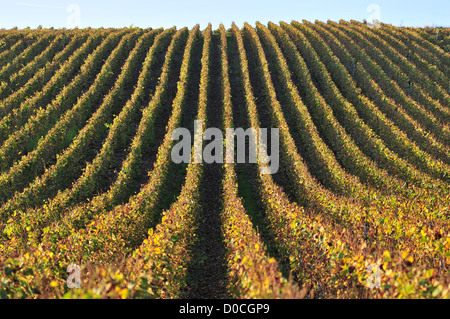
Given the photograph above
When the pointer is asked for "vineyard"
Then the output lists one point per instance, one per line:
(359, 207)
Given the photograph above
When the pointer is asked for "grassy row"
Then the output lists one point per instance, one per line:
(317, 154)
(40, 78)
(430, 63)
(164, 255)
(429, 44)
(387, 60)
(395, 98)
(131, 221)
(24, 41)
(425, 61)
(395, 138)
(416, 216)
(26, 57)
(49, 95)
(434, 55)
(281, 213)
(251, 273)
(82, 214)
(329, 242)
(411, 127)
(9, 39)
(349, 115)
(348, 88)
(72, 160)
(380, 202)
(61, 131)
(289, 152)
(342, 145)
(87, 184)
(118, 232)
(303, 187)
(416, 73)
(20, 77)
(436, 72)
(365, 124)
(324, 255)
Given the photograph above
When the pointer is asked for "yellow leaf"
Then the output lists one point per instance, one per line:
(124, 293)
(405, 254)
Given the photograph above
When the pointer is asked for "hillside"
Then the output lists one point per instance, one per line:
(358, 207)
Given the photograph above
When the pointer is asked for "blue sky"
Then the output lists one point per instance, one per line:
(180, 13)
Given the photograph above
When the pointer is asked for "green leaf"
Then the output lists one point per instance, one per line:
(437, 291)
